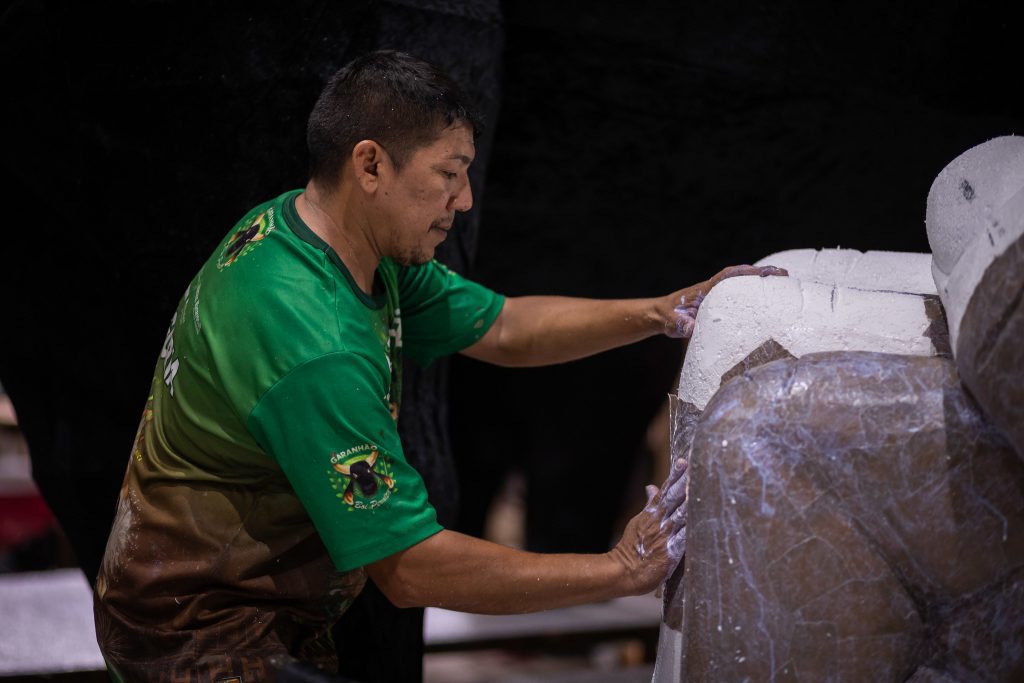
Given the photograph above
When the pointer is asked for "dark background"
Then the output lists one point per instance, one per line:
(635, 148)
(641, 147)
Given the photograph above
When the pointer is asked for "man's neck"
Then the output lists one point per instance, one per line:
(336, 219)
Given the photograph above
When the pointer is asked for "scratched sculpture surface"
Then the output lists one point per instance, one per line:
(856, 515)
(852, 516)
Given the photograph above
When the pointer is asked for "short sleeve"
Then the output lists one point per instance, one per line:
(442, 312)
(328, 425)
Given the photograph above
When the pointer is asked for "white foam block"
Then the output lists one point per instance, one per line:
(975, 211)
(742, 313)
(889, 271)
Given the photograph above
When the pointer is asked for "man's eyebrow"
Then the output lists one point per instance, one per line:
(463, 158)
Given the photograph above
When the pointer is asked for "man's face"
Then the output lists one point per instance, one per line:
(421, 200)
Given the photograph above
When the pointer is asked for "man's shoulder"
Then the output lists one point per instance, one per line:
(243, 250)
(267, 291)
(261, 259)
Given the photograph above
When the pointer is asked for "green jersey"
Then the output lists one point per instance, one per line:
(267, 469)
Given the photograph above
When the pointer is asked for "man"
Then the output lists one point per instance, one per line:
(267, 479)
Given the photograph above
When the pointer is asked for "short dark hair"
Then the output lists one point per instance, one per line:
(396, 100)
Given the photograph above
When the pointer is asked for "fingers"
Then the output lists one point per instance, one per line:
(672, 491)
(679, 516)
(683, 317)
(736, 271)
(684, 327)
(686, 315)
(675, 520)
(773, 270)
(676, 472)
(651, 491)
(678, 469)
(674, 494)
(655, 540)
(676, 547)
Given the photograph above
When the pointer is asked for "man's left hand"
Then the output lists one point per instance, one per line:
(680, 308)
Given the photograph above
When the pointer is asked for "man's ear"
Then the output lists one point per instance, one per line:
(369, 160)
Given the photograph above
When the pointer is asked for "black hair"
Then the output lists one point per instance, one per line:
(396, 100)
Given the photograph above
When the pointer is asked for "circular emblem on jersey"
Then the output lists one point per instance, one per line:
(246, 238)
(362, 477)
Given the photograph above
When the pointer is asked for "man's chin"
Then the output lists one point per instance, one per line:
(417, 258)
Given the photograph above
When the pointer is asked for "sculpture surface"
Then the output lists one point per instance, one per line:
(856, 495)
(976, 231)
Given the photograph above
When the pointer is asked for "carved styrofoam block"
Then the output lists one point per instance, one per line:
(975, 211)
(887, 271)
(740, 314)
(975, 223)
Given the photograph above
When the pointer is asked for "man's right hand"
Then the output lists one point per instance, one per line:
(679, 309)
(655, 540)
(467, 574)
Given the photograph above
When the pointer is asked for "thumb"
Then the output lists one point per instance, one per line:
(651, 491)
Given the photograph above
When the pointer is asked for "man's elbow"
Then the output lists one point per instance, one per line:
(509, 345)
(400, 590)
(400, 597)
(497, 347)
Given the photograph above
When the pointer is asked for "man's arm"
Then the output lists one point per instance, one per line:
(542, 330)
(462, 573)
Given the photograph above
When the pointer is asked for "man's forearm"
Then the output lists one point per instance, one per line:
(462, 573)
(542, 330)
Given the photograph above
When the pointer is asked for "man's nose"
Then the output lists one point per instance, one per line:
(463, 199)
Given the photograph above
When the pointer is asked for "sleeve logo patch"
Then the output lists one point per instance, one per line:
(246, 238)
(362, 477)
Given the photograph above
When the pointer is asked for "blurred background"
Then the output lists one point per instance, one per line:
(632, 149)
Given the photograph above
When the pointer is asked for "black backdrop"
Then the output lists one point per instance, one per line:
(638, 148)
(641, 147)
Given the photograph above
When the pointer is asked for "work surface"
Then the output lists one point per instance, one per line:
(47, 624)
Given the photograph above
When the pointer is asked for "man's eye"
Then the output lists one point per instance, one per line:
(449, 175)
